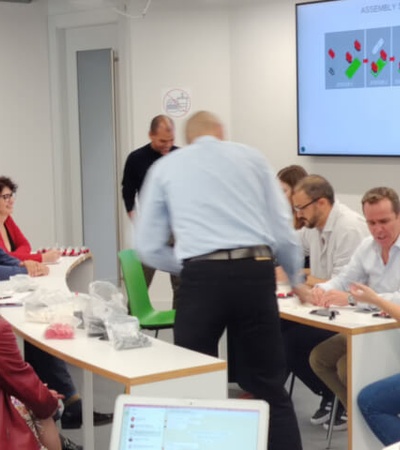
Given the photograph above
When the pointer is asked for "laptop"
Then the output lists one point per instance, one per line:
(142, 423)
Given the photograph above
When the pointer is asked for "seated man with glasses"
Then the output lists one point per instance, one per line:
(330, 235)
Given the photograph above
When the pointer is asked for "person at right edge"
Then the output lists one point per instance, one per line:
(230, 220)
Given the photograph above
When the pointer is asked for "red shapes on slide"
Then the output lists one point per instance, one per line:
(349, 58)
(331, 53)
(357, 45)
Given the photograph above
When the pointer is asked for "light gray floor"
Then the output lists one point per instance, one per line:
(313, 437)
(305, 402)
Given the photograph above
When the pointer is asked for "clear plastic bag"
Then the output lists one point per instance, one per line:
(80, 302)
(45, 306)
(62, 327)
(110, 294)
(123, 332)
(105, 301)
(22, 283)
(95, 313)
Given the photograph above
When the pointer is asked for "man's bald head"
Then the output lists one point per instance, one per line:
(203, 123)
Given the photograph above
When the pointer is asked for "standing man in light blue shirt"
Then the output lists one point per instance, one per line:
(230, 220)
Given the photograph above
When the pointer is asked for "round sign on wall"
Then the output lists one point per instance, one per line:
(177, 102)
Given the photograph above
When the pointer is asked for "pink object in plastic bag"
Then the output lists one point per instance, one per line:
(59, 331)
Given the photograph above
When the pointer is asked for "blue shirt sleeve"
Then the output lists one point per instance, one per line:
(9, 266)
(153, 230)
(8, 271)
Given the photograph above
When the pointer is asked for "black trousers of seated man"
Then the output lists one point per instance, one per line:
(240, 294)
(299, 340)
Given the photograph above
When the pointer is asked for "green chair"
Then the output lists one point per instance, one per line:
(138, 297)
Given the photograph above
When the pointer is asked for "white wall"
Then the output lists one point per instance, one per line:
(264, 79)
(183, 49)
(25, 132)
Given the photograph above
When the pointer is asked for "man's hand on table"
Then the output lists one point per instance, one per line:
(35, 269)
(329, 298)
(303, 292)
(318, 297)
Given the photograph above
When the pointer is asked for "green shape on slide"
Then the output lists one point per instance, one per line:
(353, 67)
(381, 64)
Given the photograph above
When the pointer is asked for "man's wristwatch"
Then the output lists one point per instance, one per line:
(351, 300)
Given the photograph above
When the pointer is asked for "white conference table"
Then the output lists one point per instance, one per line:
(373, 353)
(162, 369)
(395, 446)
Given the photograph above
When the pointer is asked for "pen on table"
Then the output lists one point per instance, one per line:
(10, 304)
(4, 297)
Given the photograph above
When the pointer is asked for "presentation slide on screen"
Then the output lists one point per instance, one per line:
(348, 72)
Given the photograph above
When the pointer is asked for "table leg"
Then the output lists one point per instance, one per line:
(87, 411)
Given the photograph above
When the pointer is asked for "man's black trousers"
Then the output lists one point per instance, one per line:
(240, 294)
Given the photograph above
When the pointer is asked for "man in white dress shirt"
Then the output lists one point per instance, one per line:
(376, 263)
(330, 235)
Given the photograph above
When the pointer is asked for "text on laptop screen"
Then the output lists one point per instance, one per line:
(147, 427)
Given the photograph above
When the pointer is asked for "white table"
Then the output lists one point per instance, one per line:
(395, 446)
(373, 353)
(162, 369)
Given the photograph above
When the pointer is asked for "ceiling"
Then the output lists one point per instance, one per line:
(85, 4)
(140, 5)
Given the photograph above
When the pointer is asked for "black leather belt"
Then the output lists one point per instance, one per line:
(259, 252)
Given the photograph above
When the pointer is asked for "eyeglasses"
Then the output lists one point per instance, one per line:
(7, 197)
(300, 208)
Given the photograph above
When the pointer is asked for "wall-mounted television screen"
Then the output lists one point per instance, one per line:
(348, 77)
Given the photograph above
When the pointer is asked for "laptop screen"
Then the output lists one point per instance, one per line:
(187, 427)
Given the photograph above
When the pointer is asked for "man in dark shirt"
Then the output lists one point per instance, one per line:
(162, 136)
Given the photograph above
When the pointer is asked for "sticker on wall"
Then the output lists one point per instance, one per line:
(177, 102)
